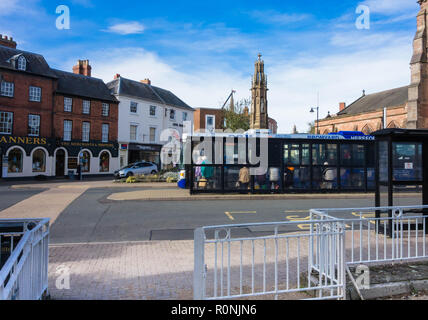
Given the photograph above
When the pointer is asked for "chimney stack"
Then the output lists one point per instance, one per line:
(342, 106)
(7, 42)
(146, 81)
(83, 67)
(116, 76)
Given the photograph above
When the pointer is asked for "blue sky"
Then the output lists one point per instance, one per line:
(201, 50)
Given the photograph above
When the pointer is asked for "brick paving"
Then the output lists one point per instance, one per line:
(143, 270)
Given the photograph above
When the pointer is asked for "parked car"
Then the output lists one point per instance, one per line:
(138, 168)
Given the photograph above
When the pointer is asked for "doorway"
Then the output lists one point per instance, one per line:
(60, 163)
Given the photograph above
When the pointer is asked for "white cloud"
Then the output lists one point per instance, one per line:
(8, 6)
(126, 28)
(278, 18)
(203, 87)
(387, 7)
(342, 77)
(293, 85)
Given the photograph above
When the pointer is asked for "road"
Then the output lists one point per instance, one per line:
(93, 218)
(9, 197)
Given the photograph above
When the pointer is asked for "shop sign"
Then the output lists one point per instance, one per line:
(23, 140)
(87, 144)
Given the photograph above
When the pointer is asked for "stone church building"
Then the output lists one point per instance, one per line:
(405, 107)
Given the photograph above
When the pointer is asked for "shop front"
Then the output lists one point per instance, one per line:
(144, 152)
(22, 157)
(94, 158)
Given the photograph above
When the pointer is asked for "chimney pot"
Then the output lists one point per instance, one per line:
(117, 76)
(342, 106)
(5, 41)
(83, 67)
(146, 81)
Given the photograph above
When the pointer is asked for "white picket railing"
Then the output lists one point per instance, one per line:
(24, 275)
(381, 234)
(230, 264)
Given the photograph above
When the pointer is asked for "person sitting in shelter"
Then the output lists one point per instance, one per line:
(244, 178)
(207, 172)
(329, 177)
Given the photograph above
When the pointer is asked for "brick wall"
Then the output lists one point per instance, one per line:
(94, 118)
(199, 118)
(22, 107)
(396, 117)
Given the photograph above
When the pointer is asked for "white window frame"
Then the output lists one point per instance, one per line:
(35, 94)
(105, 132)
(130, 131)
(22, 63)
(154, 135)
(86, 131)
(206, 121)
(34, 125)
(7, 89)
(6, 122)
(133, 104)
(86, 107)
(68, 104)
(105, 110)
(67, 135)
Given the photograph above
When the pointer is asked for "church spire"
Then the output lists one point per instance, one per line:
(259, 107)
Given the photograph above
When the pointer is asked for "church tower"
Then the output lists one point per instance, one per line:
(417, 108)
(259, 106)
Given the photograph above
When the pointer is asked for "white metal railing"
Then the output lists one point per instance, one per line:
(231, 265)
(381, 234)
(24, 275)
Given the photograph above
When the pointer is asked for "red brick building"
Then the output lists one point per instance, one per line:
(36, 138)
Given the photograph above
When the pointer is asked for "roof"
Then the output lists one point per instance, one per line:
(36, 63)
(83, 86)
(123, 86)
(378, 101)
(400, 132)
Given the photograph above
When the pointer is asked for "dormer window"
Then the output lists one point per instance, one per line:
(22, 63)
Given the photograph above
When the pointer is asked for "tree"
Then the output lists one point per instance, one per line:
(237, 119)
(312, 129)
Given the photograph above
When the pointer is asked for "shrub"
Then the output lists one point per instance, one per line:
(131, 180)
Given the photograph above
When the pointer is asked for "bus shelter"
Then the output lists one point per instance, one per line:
(301, 163)
(401, 169)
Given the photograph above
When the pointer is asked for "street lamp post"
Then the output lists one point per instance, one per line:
(312, 111)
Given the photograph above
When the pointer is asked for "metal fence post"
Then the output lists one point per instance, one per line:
(199, 265)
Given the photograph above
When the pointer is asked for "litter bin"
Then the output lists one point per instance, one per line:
(182, 184)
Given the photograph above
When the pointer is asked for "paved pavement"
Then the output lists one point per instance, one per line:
(10, 197)
(104, 243)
